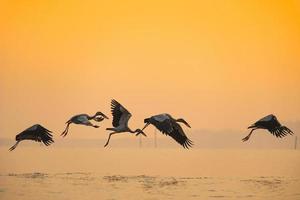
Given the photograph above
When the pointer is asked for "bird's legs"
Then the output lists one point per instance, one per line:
(248, 136)
(14, 146)
(66, 130)
(109, 138)
(141, 132)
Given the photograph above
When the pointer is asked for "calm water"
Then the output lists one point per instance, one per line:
(93, 186)
(39, 173)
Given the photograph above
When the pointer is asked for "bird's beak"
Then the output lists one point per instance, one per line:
(188, 125)
(105, 116)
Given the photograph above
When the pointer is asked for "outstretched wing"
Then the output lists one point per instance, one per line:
(281, 131)
(272, 124)
(120, 114)
(267, 122)
(44, 135)
(36, 133)
(168, 126)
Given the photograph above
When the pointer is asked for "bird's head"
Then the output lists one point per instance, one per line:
(139, 131)
(183, 121)
(19, 137)
(101, 114)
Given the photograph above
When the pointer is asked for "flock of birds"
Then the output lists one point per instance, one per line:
(165, 123)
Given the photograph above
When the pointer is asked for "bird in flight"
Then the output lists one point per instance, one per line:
(271, 124)
(121, 117)
(36, 133)
(84, 119)
(166, 124)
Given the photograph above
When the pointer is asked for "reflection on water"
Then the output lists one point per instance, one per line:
(89, 185)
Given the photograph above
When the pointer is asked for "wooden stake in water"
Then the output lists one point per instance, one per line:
(140, 141)
(296, 140)
(155, 139)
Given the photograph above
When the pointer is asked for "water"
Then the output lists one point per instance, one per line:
(90, 185)
(39, 173)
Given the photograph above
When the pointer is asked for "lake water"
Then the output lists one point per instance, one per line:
(86, 173)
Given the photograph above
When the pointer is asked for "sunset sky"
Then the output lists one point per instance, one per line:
(218, 64)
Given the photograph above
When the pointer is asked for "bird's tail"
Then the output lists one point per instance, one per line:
(110, 129)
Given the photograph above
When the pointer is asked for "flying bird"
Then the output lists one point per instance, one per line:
(84, 119)
(271, 124)
(121, 117)
(36, 133)
(166, 124)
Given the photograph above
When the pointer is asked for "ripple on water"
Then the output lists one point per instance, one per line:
(30, 175)
(116, 178)
(264, 182)
(168, 182)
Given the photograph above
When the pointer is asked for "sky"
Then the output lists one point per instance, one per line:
(221, 65)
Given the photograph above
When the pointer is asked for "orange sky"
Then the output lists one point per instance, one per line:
(219, 64)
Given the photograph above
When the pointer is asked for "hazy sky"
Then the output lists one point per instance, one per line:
(218, 64)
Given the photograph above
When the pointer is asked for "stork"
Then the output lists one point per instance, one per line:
(84, 119)
(166, 124)
(121, 117)
(271, 124)
(36, 133)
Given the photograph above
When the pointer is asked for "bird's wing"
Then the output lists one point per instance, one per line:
(180, 137)
(268, 122)
(162, 123)
(171, 128)
(281, 131)
(44, 135)
(120, 114)
(30, 133)
(272, 124)
(266, 118)
(37, 133)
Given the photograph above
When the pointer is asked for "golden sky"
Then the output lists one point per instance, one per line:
(218, 64)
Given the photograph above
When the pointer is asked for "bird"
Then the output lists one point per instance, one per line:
(84, 119)
(166, 124)
(271, 124)
(121, 117)
(37, 133)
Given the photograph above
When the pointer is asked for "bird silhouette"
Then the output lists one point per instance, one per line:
(36, 133)
(166, 124)
(84, 119)
(121, 117)
(271, 124)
